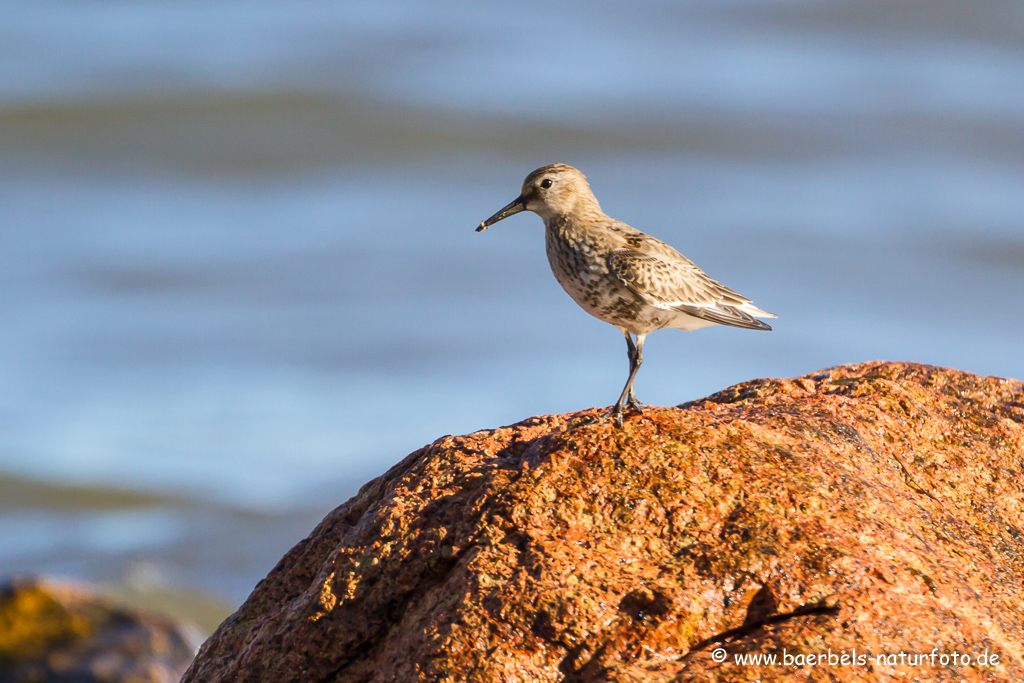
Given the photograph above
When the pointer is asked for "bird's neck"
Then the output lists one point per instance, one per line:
(576, 223)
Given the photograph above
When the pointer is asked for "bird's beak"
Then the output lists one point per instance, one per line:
(514, 207)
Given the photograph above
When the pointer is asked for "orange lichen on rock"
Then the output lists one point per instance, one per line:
(59, 631)
(35, 617)
(870, 510)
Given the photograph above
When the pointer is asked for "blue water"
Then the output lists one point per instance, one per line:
(237, 247)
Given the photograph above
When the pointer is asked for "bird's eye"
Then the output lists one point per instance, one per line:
(546, 183)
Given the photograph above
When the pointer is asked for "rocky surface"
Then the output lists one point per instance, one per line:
(873, 511)
(68, 633)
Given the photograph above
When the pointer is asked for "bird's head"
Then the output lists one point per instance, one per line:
(554, 190)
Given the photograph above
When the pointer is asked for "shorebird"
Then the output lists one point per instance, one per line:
(620, 275)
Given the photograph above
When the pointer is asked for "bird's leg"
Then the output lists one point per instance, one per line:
(630, 349)
(635, 359)
(638, 358)
(633, 355)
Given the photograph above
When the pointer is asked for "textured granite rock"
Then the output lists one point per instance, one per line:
(52, 632)
(865, 511)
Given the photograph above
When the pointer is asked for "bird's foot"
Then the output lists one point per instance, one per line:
(633, 405)
(617, 413)
(586, 420)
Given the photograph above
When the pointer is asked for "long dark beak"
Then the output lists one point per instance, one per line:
(515, 207)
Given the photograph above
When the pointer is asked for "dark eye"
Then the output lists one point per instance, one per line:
(546, 183)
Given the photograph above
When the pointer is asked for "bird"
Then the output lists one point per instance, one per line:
(620, 275)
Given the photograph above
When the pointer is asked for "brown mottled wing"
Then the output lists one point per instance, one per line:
(663, 277)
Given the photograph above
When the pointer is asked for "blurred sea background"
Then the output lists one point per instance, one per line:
(240, 278)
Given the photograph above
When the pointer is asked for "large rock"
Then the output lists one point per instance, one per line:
(872, 511)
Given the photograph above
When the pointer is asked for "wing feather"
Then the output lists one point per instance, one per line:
(662, 277)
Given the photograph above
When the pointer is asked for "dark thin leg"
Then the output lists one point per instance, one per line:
(639, 358)
(636, 357)
(631, 350)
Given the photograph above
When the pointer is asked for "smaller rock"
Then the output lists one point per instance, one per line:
(57, 631)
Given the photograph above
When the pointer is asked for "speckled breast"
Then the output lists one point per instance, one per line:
(581, 266)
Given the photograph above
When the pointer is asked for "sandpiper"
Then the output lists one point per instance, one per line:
(620, 275)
